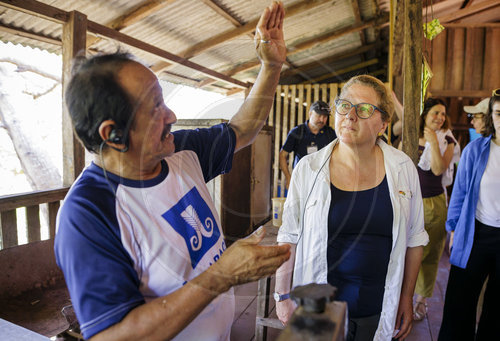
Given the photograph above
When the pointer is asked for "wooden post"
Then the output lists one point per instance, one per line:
(74, 39)
(412, 76)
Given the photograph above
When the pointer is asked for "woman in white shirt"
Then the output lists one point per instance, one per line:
(354, 219)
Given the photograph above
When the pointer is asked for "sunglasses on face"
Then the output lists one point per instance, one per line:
(363, 110)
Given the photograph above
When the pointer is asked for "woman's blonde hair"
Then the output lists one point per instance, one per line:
(384, 97)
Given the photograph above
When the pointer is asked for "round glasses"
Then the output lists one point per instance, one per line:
(363, 110)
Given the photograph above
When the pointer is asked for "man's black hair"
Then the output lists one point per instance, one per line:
(94, 95)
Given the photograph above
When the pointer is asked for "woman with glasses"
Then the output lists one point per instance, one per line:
(476, 114)
(474, 223)
(435, 155)
(354, 219)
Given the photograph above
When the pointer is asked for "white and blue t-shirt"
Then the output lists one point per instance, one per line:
(121, 242)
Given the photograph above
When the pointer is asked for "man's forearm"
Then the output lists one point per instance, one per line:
(254, 111)
(166, 316)
(284, 164)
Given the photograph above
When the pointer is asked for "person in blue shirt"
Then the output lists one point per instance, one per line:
(474, 223)
(138, 237)
(308, 137)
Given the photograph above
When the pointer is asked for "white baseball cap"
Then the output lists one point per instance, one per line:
(481, 107)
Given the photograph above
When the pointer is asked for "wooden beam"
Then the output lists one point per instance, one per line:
(110, 33)
(413, 32)
(18, 31)
(222, 12)
(137, 14)
(342, 71)
(465, 12)
(14, 201)
(73, 38)
(300, 7)
(144, 10)
(37, 9)
(472, 25)
(461, 93)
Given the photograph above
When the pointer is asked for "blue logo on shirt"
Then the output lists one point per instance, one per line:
(193, 220)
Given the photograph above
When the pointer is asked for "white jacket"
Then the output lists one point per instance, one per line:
(305, 223)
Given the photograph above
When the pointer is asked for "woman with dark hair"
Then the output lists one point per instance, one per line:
(354, 219)
(435, 151)
(474, 223)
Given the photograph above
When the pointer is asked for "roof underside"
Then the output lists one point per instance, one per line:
(327, 40)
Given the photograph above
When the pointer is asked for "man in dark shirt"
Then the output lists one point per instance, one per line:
(308, 137)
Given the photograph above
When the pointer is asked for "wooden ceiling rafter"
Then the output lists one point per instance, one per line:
(139, 13)
(239, 31)
(469, 11)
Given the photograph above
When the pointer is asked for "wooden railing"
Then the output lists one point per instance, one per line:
(31, 201)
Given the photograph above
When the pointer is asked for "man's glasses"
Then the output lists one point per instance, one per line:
(496, 92)
(476, 116)
(363, 110)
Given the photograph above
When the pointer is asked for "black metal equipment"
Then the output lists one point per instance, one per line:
(318, 317)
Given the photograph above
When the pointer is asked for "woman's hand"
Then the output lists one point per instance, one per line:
(269, 41)
(431, 137)
(284, 310)
(404, 318)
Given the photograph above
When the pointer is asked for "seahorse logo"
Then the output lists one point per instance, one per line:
(193, 219)
(205, 230)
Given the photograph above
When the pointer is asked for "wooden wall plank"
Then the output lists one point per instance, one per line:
(308, 99)
(316, 93)
(455, 67)
(8, 228)
(33, 223)
(300, 113)
(53, 208)
(333, 94)
(438, 61)
(277, 141)
(324, 92)
(491, 76)
(473, 68)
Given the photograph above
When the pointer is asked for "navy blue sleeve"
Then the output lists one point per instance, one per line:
(99, 273)
(292, 139)
(214, 147)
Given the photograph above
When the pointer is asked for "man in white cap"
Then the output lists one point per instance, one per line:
(477, 112)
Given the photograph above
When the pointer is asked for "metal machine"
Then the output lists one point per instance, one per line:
(318, 317)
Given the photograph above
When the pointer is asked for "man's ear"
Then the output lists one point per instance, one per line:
(112, 136)
(105, 129)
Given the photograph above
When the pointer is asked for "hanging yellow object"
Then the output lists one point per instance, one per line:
(426, 78)
(432, 29)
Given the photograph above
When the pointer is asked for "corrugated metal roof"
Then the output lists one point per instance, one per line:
(179, 25)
